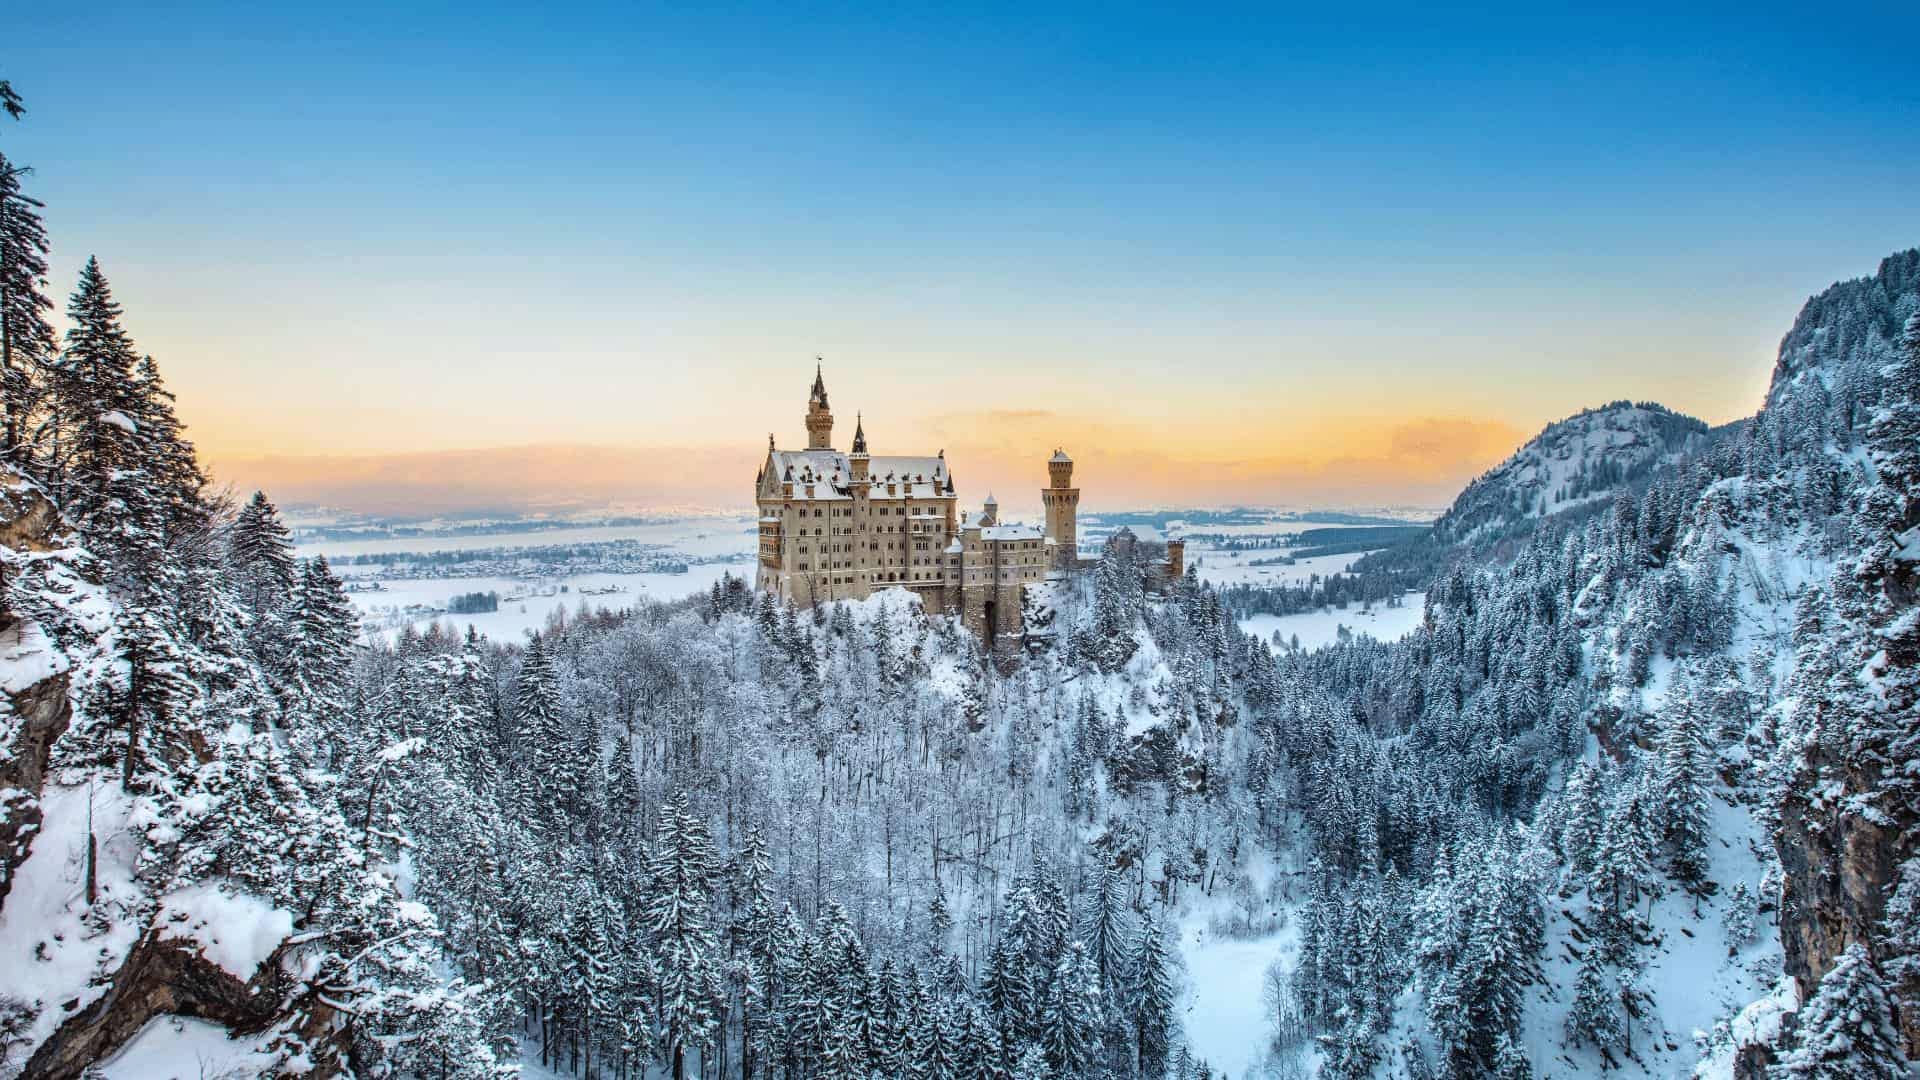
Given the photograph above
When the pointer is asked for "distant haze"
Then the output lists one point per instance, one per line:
(1419, 464)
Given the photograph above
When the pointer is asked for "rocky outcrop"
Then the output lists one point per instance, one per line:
(38, 716)
(167, 977)
(1838, 869)
(34, 715)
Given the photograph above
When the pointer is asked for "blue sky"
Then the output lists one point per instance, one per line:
(1269, 235)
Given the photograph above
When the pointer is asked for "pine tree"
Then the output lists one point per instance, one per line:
(321, 635)
(1685, 778)
(939, 922)
(92, 391)
(678, 915)
(981, 1054)
(624, 796)
(1845, 1032)
(1105, 929)
(546, 753)
(1595, 1016)
(1073, 1017)
(26, 337)
(1622, 872)
(1009, 990)
(260, 551)
(1151, 1001)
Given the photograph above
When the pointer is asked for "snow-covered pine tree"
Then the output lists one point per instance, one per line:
(26, 336)
(321, 626)
(1072, 1020)
(92, 392)
(678, 912)
(1105, 930)
(1150, 1000)
(260, 558)
(1595, 1017)
(1684, 775)
(540, 736)
(1845, 1031)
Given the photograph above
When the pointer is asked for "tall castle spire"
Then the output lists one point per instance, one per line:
(819, 416)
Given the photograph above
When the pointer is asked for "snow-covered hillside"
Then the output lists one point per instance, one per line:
(1580, 816)
(1571, 464)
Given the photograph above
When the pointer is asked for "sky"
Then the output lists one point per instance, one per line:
(446, 256)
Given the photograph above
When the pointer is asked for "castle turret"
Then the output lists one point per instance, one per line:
(990, 513)
(1062, 502)
(858, 459)
(819, 416)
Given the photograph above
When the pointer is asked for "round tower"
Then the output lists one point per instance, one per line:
(819, 416)
(1062, 502)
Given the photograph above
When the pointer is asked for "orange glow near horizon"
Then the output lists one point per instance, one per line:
(1194, 443)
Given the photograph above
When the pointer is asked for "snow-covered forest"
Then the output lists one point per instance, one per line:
(1637, 796)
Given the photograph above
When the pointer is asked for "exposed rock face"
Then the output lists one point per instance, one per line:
(31, 717)
(166, 977)
(1838, 870)
(27, 517)
(39, 716)
(1752, 1062)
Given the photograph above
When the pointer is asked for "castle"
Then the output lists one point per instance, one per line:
(840, 526)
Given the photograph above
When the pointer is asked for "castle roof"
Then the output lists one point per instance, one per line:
(1010, 532)
(819, 387)
(1060, 457)
(830, 473)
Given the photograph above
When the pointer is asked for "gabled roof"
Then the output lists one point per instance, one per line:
(830, 473)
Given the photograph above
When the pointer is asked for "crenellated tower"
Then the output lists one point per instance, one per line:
(819, 415)
(1062, 502)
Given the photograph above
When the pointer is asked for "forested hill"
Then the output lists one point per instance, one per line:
(1571, 471)
(1642, 784)
(1572, 463)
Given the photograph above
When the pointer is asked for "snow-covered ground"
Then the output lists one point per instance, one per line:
(182, 1048)
(1225, 1009)
(1322, 626)
(388, 605)
(421, 601)
(703, 537)
(1217, 566)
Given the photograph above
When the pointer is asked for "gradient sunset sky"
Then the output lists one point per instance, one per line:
(1249, 254)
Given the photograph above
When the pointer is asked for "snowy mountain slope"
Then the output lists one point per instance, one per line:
(169, 864)
(1845, 334)
(1633, 773)
(1571, 464)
